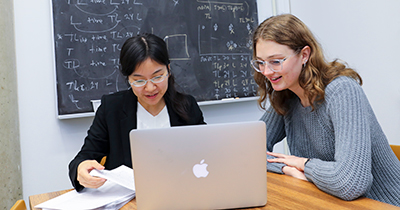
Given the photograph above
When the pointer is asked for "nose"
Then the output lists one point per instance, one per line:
(266, 71)
(149, 86)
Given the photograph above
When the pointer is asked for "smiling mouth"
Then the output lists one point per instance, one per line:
(276, 78)
(151, 96)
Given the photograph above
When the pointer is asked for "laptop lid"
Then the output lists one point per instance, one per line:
(216, 166)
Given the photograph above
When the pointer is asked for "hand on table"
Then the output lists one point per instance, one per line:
(292, 171)
(294, 165)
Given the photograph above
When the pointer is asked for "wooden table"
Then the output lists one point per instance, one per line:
(283, 192)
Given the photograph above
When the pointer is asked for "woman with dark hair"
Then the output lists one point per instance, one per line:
(151, 102)
(334, 138)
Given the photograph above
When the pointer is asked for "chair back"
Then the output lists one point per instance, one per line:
(19, 205)
(396, 150)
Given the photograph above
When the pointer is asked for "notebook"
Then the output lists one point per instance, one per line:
(216, 166)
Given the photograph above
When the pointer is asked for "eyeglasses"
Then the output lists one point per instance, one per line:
(142, 82)
(274, 65)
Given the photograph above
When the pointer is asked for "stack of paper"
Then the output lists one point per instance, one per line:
(118, 190)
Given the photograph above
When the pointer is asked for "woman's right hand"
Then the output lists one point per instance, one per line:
(85, 179)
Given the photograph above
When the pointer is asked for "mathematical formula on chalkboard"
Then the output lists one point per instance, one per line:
(209, 43)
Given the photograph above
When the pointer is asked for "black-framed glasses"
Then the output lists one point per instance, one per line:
(143, 82)
(274, 65)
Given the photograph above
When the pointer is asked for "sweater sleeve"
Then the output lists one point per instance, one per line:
(275, 133)
(349, 175)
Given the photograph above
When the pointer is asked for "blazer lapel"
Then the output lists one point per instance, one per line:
(128, 123)
(174, 118)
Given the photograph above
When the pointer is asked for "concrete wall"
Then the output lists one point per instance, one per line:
(10, 164)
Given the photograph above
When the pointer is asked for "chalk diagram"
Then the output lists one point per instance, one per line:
(226, 46)
(177, 46)
(92, 38)
(109, 20)
(91, 21)
(230, 50)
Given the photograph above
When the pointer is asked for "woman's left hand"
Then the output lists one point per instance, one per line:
(292, 171)
(290, 160)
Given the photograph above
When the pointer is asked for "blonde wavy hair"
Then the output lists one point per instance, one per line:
(288, 30)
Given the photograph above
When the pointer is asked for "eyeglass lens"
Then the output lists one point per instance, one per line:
(156, 79)
(274, 65)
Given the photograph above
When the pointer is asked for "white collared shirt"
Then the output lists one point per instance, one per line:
(146, 120)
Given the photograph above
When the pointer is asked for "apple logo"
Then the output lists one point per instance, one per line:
(200, 170)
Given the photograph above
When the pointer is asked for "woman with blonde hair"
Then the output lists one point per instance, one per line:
(334, 138)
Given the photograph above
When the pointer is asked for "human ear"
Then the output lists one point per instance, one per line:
(305, 54)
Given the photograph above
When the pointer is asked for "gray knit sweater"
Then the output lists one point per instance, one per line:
(351, 156)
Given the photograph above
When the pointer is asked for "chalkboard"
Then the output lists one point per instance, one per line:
(209, 43)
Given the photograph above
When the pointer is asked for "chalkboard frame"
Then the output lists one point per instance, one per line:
(201, 103)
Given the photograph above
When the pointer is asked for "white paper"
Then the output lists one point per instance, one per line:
(122, 175)
(109, 196)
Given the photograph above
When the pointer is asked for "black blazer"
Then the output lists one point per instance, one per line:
(109, 133)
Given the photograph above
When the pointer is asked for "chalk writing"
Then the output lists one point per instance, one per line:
(209, 45)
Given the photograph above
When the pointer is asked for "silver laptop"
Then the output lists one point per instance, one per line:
(216, 166)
